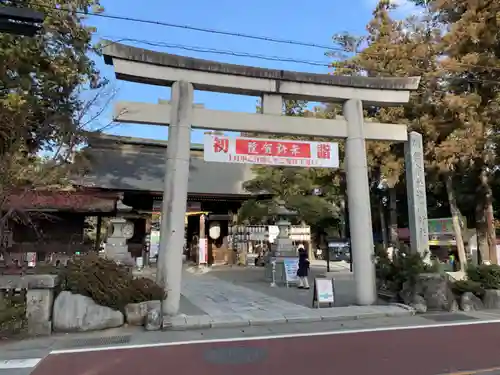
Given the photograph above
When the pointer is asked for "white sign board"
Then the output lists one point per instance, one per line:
(232, 149)
(291, 266)
(324, 293)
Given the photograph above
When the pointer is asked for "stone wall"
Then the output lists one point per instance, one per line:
(39, 299)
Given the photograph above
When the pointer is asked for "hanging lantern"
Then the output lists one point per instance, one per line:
(214, 230)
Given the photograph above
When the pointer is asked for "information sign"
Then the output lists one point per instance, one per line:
(324, 292)
(291, 266)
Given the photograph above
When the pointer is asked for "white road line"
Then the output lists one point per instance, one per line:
(275, 337)
(10, 364)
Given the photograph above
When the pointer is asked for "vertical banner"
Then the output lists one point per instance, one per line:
(202, 251)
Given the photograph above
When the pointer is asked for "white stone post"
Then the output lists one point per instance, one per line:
(169, 272)
(358, 194)
(417, 196)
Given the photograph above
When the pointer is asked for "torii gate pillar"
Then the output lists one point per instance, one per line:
(358, 196)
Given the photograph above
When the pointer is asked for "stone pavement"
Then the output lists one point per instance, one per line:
(229, 305)
(254, 279)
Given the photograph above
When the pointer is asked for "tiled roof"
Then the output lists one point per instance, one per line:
(123, 163)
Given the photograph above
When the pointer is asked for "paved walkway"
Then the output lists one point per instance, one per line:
(255, 280)
(229, 305)
(217, 303)
(216, 296)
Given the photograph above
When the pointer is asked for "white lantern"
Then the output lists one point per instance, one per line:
(214, 230)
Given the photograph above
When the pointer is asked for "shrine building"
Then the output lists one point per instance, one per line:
(135, 169)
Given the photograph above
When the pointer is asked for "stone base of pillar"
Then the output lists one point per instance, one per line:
(119, 254)
(283, 247)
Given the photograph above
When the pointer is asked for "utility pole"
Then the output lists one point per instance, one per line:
(20, 21)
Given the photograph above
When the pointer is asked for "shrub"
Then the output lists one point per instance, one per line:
(106, 282)
(462, 286)
(404, 267)
(12, 315)
(487, 275)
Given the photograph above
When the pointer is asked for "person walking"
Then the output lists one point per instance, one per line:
(303, 270)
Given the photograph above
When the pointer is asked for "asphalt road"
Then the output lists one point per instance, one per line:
(425, 351)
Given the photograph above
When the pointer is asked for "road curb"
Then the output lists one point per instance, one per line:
(403, 306)
(14, 364)
(194, 322)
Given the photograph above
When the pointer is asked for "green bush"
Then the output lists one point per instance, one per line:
(404, 267)
(487, 275)
(462, 286)
(106, 282)
(12, 315)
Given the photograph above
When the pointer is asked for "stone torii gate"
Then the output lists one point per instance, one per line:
(186, 74)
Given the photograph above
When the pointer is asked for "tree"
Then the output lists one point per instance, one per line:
(320, 208)
(410, 48)
(49, 88)
(42, 77)
(381, 56)
(471, 56)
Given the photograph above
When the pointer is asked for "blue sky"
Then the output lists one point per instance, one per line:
(314, 22)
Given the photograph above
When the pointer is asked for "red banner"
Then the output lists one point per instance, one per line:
(284, 149)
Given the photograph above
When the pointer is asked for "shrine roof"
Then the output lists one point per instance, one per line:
(72, 201)
(125, 163)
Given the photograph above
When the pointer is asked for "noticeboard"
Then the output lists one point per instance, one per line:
(324, 292)
(291, 266)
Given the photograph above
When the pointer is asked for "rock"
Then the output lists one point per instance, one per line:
(456, 276)
(437, 292)
(419, 304)
(453, 307)
(135, 313)
(153, 320)
(491, 299)
(155, 304)
(77, 313)
(470, 302)
(434, 289)
(407, 293)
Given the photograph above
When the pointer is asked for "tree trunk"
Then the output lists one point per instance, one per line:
(490, 219)
(393, 218)
(481, 232)
(455, 215)
(383, 224)
(491, 233)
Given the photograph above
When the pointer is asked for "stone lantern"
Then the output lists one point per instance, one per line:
(120, 230)
(282, 251)
(283, 246)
